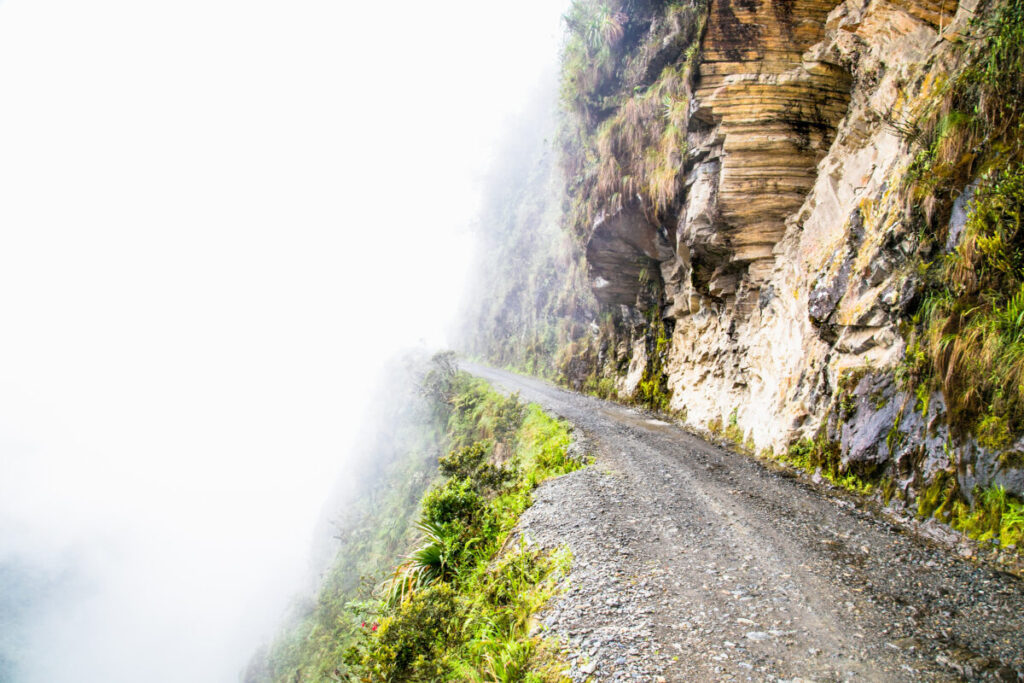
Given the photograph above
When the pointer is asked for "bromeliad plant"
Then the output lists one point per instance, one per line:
(425, 566)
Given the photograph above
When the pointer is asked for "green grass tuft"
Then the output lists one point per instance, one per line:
(994, 516)
(820, 454)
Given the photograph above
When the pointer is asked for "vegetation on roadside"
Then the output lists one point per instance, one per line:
(967, 337)
(818, 455)
(396, 464)
(993, 516)
(459, 605)
(822, 455)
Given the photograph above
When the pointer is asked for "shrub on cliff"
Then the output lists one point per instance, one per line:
(412, 643)
(458, 607)
(473, 463)
(455, 501)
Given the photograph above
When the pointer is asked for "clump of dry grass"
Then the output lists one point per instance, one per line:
(973, 322)
(969, 332)
(641, 149)
(625, 147)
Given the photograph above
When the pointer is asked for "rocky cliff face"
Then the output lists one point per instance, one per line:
(800, 225)
(797, 186)
(746, 177)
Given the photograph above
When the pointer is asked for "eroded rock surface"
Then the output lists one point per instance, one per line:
(774, 115)
(786, 262)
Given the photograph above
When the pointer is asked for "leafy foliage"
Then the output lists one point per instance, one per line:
(459, 512)
(473, 463)
(429, 564)
(437, 384)
(458, 606)
(412, 642)
(993, 516)
(478, 414)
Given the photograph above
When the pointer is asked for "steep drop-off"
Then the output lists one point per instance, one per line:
(800, 220)
(428, 581)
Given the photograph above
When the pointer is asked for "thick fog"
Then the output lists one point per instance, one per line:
(217, 219)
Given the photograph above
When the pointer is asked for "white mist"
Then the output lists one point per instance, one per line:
(217, 219)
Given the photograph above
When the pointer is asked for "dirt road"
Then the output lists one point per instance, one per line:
(694, 563)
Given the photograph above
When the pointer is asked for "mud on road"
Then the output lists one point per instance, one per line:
(695, 563)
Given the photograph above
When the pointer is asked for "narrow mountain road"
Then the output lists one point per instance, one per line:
(694, 563)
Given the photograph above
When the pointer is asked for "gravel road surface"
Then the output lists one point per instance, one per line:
(695, 563)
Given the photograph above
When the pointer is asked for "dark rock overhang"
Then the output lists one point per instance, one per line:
(623, 252)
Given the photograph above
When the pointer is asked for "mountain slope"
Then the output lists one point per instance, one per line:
(800, 222)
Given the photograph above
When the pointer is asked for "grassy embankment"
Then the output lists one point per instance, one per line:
(459, 606)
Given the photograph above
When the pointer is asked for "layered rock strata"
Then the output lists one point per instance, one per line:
(773, 114)
(830, 294)
(786, 264)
